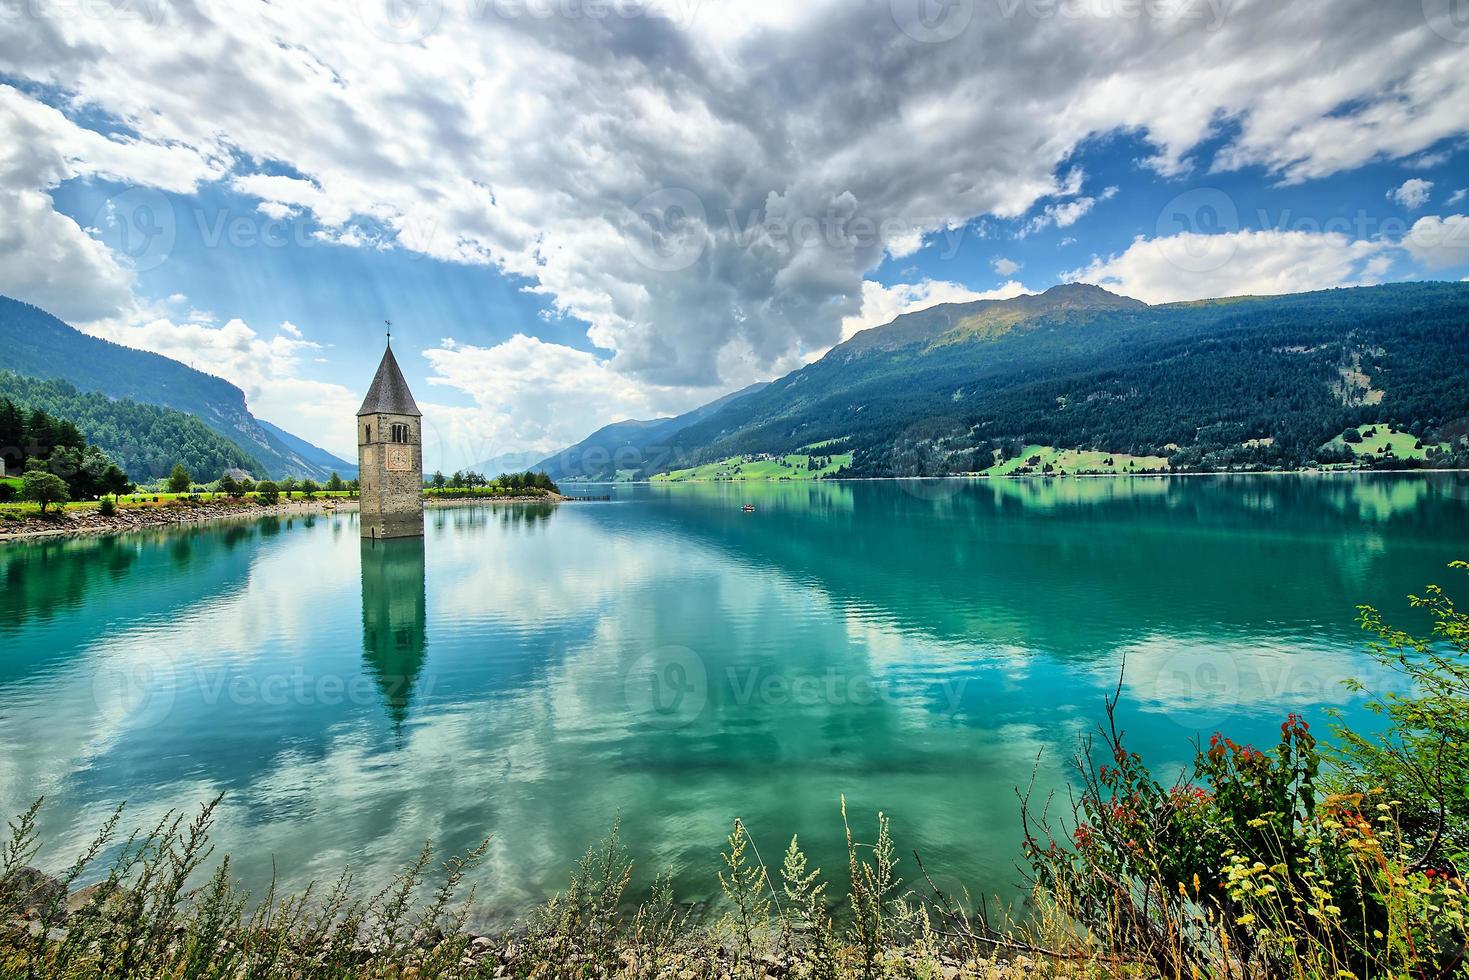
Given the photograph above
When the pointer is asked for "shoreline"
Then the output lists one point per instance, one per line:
(89, 523)
(978, 477)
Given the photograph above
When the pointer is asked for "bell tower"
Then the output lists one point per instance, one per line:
(390, 455)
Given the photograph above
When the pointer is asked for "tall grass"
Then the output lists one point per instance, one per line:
(153, 911)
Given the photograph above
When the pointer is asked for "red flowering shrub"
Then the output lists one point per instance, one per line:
(1179, 874)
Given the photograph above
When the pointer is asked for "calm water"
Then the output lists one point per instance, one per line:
(532, 672)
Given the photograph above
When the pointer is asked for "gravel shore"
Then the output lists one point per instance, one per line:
(84, 522)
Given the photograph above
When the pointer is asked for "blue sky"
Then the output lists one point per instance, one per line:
(573, 216)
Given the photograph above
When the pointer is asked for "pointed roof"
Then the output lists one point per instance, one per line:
(389, 394)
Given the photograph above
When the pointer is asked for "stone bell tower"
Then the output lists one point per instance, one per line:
(390, 456)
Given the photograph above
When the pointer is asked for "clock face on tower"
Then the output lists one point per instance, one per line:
(400, 459)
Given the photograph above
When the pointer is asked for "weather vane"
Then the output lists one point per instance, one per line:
(390, 332)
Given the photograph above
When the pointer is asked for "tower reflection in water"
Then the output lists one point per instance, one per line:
(393, 611)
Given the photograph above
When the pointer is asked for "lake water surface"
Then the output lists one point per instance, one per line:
(534, 672)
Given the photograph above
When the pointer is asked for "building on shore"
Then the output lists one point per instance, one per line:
(390, 456)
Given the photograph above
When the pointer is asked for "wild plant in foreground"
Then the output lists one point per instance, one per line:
(577, 933)
(806, 924)
(1255, 866)
(143, 918)
(746, 886)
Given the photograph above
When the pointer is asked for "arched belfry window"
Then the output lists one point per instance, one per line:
(400, 432)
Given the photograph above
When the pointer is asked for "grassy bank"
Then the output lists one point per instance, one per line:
(1266, 863)
(793, 466)
(1381, 441)
(159, 501)
(1050, 461)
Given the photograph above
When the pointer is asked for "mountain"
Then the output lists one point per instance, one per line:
(984, 319)
(1249, 380)
(305, 455)
(145, 440)
(633, 449)
(38, 345)
(507, 463)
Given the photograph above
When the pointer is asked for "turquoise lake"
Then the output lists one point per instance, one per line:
(533, 673)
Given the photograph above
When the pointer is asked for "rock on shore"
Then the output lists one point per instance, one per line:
(74, 522)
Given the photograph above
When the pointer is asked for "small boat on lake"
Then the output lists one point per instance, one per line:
(749, 508)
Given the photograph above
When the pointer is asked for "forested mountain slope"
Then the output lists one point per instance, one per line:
(1241, 381)
(38, 345)
(145, 440)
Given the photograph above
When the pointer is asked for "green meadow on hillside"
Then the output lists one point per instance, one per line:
(1036, 459)
(824, 444)
(789, 467)
(1381, 440)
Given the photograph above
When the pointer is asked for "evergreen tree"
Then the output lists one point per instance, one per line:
(144, 440)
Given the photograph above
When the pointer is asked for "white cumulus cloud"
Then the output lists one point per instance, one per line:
(1412, 193)
(268, 369)
(1439, 242)
(533, 395)
(1192, 266)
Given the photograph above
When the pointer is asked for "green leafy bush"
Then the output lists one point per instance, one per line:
(1422, 755)
(44, 489)
(1255, 865)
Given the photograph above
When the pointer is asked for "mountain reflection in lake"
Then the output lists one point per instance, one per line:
(533, 672)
